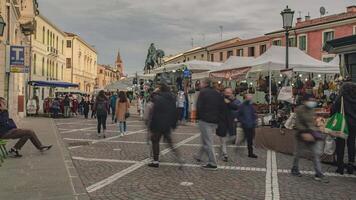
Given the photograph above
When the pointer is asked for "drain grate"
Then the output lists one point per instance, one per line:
(72, 144)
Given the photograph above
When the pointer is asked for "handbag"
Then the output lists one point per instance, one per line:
(290, 123)
(127, 115)
(337, 123)
(330, 146)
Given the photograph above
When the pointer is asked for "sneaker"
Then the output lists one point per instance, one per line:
(225, 159)
(252, 156)
(321, 178)
(210, 167)
(153, 164)
(340, 170)
(350, 168)
(295, 172)
(45, 148)
(14, 153)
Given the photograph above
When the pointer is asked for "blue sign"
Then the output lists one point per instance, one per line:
(17, 55)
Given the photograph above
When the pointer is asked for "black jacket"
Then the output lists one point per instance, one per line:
(164, 113)
(348, 91)
(210, 105)
(4, 118)
(226, 123)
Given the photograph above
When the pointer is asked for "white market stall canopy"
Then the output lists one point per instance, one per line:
(195, 66)
(122, 85)
(146, 76)
(233, 68)
(200, 76)
(274, 60)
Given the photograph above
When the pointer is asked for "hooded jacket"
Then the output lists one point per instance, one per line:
(348, 92)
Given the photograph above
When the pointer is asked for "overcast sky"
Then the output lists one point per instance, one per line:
(131, 25)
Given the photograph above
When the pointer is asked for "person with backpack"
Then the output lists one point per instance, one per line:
(102, 108)
(122, 112)
(55, 107)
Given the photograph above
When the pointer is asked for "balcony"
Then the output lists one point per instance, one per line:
(27, 11)
(53, 52)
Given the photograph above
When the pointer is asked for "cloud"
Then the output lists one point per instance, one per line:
(131, 25)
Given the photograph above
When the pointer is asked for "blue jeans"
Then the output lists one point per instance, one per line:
(122, 126)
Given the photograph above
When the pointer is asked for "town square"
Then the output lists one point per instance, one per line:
(202, 99)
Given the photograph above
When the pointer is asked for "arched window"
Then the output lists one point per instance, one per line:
(57, 71)
(43, 67)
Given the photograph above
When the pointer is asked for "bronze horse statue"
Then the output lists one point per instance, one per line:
(154, 58)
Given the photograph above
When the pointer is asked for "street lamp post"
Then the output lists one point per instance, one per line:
(287, 16)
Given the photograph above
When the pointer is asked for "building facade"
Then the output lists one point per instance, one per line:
(106, 75)
(19, 18)
(81, 63)
(309, 35)
(48, 56)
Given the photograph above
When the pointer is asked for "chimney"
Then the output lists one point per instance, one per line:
(299, 19)
(307, 17)
(351, 9)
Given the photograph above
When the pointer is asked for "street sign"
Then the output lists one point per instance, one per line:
(19, 59)
(17, 55)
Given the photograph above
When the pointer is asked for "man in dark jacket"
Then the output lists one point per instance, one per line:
(8, 130)
(163, 119)
(248, 119)
(227, 124)
(348, 92)
(210, 105)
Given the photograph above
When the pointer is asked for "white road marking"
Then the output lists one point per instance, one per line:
(81, 129)
(103, 160)
(113, 178)
(275, 184)
(268, 192)
(110, 138)
(74, 147)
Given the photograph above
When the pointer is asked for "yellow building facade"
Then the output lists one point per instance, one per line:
(48, 56)
(19, 18)
(81, 63)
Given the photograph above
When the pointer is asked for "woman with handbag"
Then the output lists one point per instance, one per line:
(122, 112)
(9, 130)
(308, 136)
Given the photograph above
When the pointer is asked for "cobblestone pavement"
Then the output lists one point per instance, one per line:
(115, 168)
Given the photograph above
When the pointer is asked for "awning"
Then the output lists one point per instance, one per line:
(52, 84)
(341, 45)
(237, 73)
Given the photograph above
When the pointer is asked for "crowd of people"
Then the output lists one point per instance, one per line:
(219, 113)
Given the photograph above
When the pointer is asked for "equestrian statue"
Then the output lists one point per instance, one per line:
(154, 58)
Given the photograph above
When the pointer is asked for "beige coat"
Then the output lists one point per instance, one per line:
(121, 109)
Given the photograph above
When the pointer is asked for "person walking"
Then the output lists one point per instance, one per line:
(163, 120)
(86, 107)
(248, 119)
(113, 102)
(102, 109)
(121, 113)
(305, 139)
(227, 124)
(180, 105)
(348, 94)
(66, 103)
(210, 104)
(9, 130)
(93, 111)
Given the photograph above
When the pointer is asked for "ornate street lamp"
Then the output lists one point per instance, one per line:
(287, 16)
(2, 26)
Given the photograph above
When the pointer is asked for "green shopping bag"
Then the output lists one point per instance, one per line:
(337, 123)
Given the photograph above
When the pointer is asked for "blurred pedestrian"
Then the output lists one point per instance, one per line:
(248, 119)
(163, 120)
(92, 103)
(226, 126)
(81, 106)
(86, 107)
(348, 92)
(66, 103)
(180, 105)
(122, 111)
(305, 137)
(210, 104)
(102, 109)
